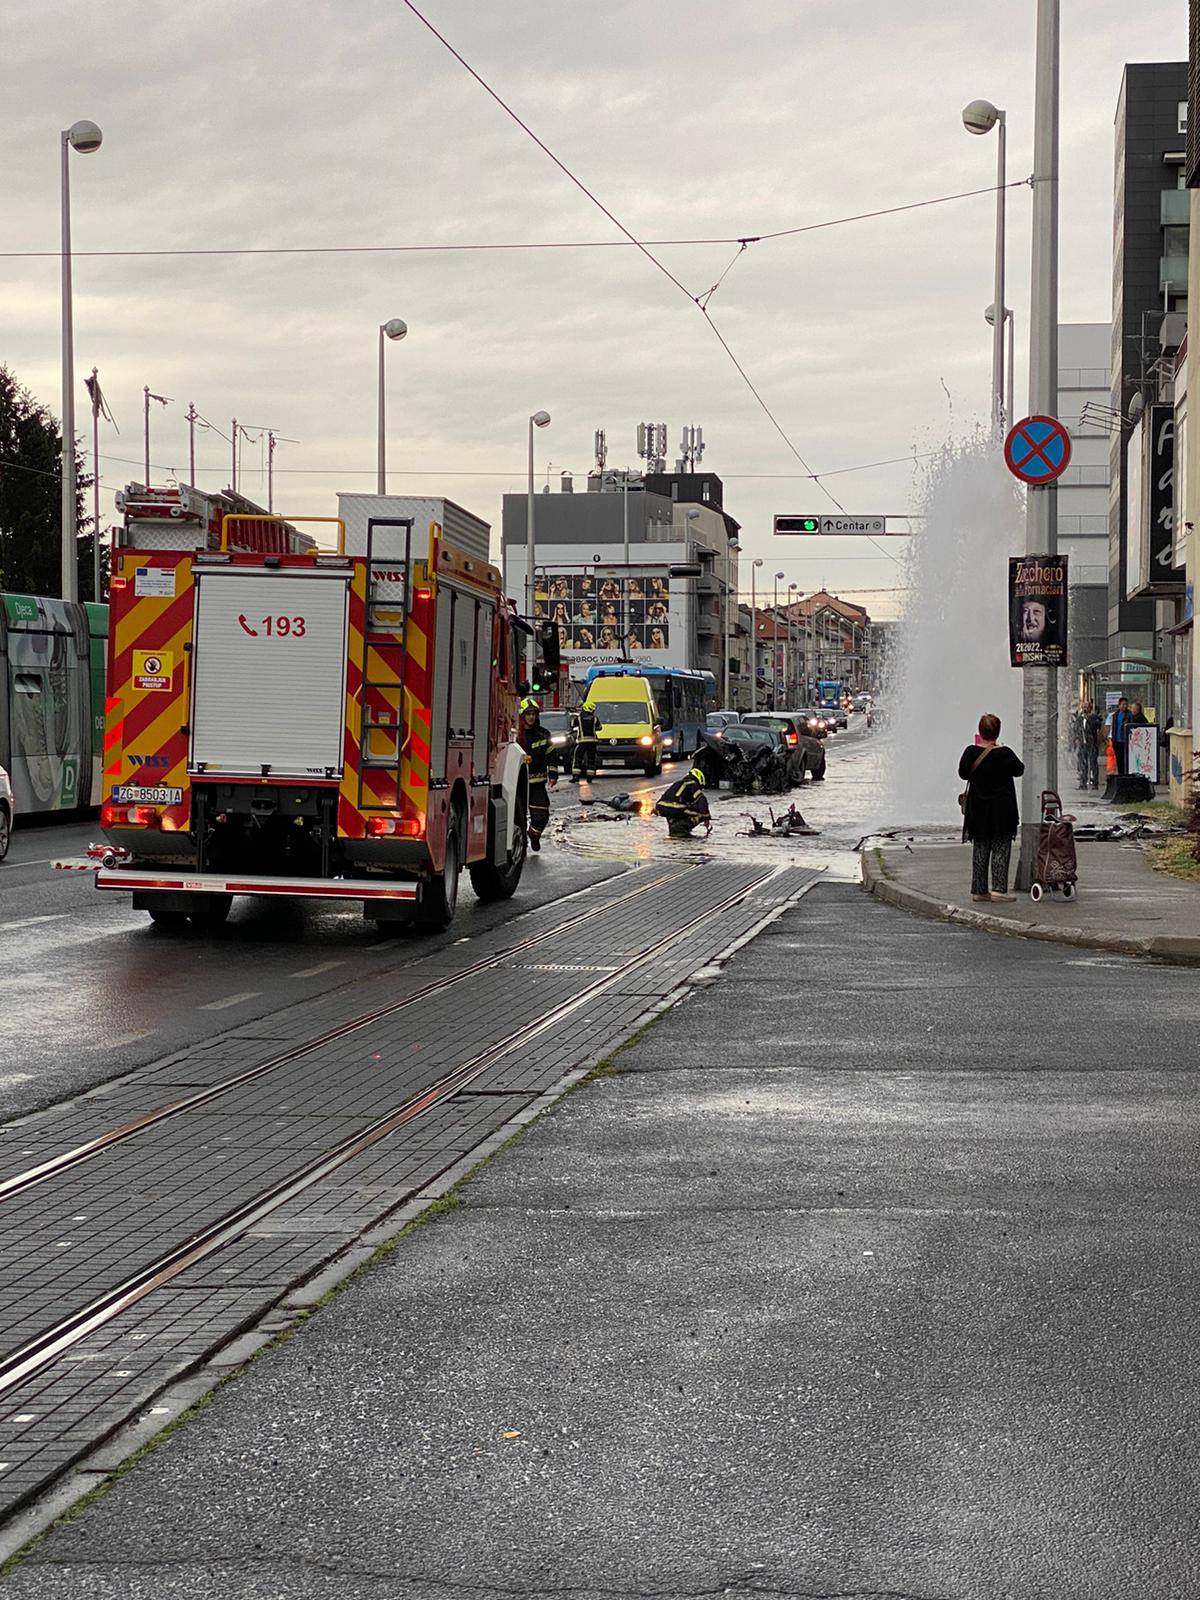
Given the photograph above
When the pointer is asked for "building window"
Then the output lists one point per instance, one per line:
(1181, 126)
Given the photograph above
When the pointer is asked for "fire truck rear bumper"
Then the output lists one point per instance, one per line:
(165, 881)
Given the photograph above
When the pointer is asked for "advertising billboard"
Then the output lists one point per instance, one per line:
(1037, 611)
(608, 617)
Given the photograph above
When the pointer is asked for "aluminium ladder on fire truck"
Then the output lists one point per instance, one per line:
(385, 633)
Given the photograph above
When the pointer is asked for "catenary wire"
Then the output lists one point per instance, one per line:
(649, 254)
(523, 244)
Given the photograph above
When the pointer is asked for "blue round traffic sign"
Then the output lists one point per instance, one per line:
(1038, 450)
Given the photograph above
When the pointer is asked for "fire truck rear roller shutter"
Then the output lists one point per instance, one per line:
(269, 696)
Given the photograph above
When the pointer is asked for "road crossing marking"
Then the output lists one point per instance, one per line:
(231, 1000)
(315, 972)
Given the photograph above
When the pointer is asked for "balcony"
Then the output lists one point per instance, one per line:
(1174, 208)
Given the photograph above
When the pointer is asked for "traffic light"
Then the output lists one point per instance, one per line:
(797, 524)
(548, 646)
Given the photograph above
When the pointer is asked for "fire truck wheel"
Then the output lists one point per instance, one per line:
(500, 883)
(162, 918)
(212, 910)
(437, 897)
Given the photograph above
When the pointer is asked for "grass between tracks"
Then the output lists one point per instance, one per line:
(452, 1200)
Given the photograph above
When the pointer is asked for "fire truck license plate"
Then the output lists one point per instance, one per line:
(129, 794)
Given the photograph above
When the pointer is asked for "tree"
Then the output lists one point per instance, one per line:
(31, 497)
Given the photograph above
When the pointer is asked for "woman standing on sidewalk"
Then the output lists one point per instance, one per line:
(989, 803)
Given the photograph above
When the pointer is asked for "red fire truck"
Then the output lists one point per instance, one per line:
(286, 719)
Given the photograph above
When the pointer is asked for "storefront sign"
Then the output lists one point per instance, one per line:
(1037, 611)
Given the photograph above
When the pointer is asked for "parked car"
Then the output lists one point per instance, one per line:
(560, 725)
(805, 753)
(717, 721)
(7, 811)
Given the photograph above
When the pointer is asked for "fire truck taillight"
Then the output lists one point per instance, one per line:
(113, 816)
(392, 827)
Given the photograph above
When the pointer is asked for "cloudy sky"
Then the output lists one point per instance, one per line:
(245, 124)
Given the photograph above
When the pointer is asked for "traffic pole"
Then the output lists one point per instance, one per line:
(1039, 748)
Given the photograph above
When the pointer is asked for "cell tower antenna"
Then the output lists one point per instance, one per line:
(691, 448)
(601, 450)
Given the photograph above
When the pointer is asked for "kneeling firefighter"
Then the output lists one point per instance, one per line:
(535, 742)
(685, 805)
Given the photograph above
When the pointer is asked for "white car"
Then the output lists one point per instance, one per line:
(6, 813)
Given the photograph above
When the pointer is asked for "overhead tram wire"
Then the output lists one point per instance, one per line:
(522, 244)
(700, 302)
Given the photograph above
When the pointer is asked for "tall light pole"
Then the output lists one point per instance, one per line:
(538, 419)
(980, 117)
(1010, 333)
(789, 692)
(731, 562)
(754, 566)
(1039, 734)
(775, 639)
(85, 137)
(395, 329)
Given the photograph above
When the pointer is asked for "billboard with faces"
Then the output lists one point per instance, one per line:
(608, 615)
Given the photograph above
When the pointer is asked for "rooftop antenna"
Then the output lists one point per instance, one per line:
(691, 448)
(601, 450)
(652, 445)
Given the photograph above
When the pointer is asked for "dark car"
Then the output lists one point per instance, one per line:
(754, 759)
(560, 725)
(805, 753)
(816, 723)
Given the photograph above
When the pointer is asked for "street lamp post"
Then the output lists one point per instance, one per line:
(1010, 333)
(1039, 733)
(980, 117)
(775, 640)
(538, 419)
(395, 328)
(790, 692)
(85, 137)
(754, 566)
(730, 596)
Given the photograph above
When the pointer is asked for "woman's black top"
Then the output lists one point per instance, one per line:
(991, 810)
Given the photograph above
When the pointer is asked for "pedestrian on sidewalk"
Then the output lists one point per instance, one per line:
(1086, 738)
(1120, 734)
(989, 805)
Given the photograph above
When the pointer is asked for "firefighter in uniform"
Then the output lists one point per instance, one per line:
(535, 742)
(583, 764)
(685, 805)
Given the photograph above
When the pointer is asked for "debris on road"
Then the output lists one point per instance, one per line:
(789, 825)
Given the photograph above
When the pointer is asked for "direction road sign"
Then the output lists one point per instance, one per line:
(869, 526)
(1038, 450)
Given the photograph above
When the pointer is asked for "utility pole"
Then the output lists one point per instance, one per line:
(163, 400)
(191, 422)
(1039, 733)
(233, 437)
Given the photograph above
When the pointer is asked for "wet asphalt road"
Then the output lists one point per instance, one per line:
(870, 1273)
(90, 988)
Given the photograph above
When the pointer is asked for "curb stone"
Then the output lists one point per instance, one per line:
(1162, 947)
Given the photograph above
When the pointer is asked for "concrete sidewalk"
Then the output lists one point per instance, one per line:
(879, 1294)
(1121, 903)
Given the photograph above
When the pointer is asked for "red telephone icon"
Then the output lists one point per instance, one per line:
(253, 632)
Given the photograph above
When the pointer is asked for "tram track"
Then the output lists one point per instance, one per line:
(43, 1349)
(67, 1160)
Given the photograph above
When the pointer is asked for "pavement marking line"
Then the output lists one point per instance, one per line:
(127, 1038)
(315, 972)
(230, 1000)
